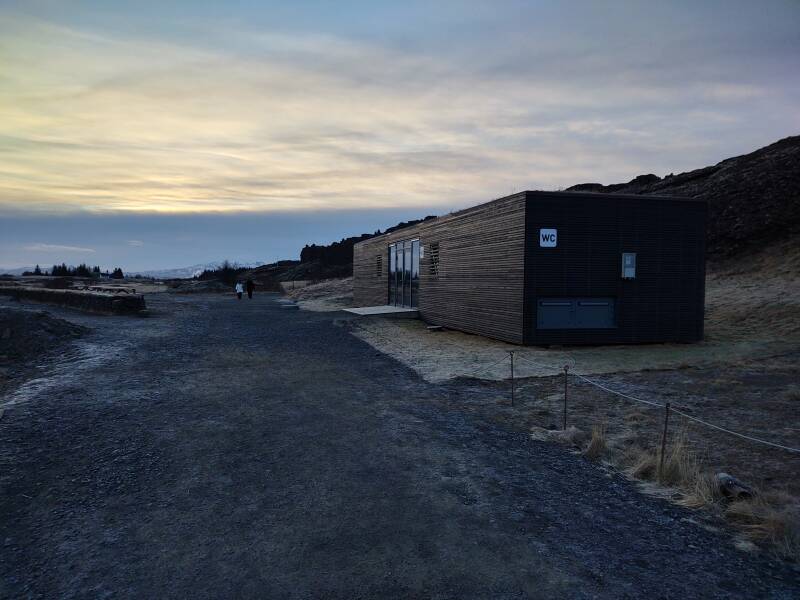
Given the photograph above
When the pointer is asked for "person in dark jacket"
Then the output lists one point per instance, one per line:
(250, 287)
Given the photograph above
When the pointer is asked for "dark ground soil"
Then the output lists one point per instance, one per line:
(238, 449)
(26, 333)
(29, 335)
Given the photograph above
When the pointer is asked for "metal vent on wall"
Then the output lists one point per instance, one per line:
(575, 313)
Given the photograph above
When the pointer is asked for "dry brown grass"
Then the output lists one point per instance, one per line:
(771, 520)
(681, 468)
(324, 296)
(643, 464)
(628, 437)
(702, 492)
(696, 487)
(597, 444)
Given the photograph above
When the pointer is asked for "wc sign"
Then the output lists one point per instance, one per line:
(548, 238)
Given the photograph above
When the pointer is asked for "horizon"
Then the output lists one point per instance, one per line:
(154, 137)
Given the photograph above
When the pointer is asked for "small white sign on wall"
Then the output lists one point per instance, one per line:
(548, 238)
(421, 251)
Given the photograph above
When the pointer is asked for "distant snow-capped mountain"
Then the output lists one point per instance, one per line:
(186, 272)
(15, 271)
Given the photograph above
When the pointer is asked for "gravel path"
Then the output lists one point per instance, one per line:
(237, 449)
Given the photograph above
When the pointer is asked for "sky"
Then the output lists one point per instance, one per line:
(154, 135)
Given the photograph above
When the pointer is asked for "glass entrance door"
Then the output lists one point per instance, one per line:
(414, 272)
(404, 273)
(392, 273)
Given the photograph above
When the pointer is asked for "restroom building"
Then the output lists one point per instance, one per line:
(543, 268)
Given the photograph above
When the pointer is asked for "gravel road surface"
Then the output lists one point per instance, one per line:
(237, 449)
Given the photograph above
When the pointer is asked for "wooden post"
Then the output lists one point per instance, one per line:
(663, 441)
(512, 377)
(566, 373)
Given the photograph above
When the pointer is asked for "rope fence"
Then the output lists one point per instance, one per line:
(667, 407)
(609, 390)
(736, 433)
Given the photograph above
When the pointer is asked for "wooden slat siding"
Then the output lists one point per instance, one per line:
(666, 300)
(368, 289)
(481, 269)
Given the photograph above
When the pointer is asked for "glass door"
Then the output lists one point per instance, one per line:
(404, 273)
(415, 273)
(407, 274)
(398, 296)
(392, 273)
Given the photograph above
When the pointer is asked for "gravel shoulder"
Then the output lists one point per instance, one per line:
(236, 449)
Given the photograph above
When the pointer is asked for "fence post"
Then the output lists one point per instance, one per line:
(512, 377)
(663, 441)
(566, 372)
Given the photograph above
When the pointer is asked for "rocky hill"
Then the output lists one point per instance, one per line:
(753, 199)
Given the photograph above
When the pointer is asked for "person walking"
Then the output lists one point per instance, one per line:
(250, 286)
(239, 290)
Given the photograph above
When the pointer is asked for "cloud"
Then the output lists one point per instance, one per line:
(135, 243)
(57, 248)
(238, 120)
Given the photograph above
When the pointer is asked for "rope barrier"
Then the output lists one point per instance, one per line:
(618, 393)
(602, 387)
(737, 434)
(473, 373)
(538, 364)
(690, 417)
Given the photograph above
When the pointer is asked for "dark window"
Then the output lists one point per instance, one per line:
(379, 266)
(433, 250)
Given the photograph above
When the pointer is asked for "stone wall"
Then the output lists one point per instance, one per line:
(116, 304)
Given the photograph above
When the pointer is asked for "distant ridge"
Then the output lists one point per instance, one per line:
(185, 272)
(14, 271)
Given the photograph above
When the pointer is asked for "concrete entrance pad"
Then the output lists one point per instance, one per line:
(389, 312)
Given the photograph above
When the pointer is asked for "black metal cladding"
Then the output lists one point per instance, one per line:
(665, 300)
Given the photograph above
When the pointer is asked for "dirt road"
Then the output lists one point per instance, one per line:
(225, 448)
